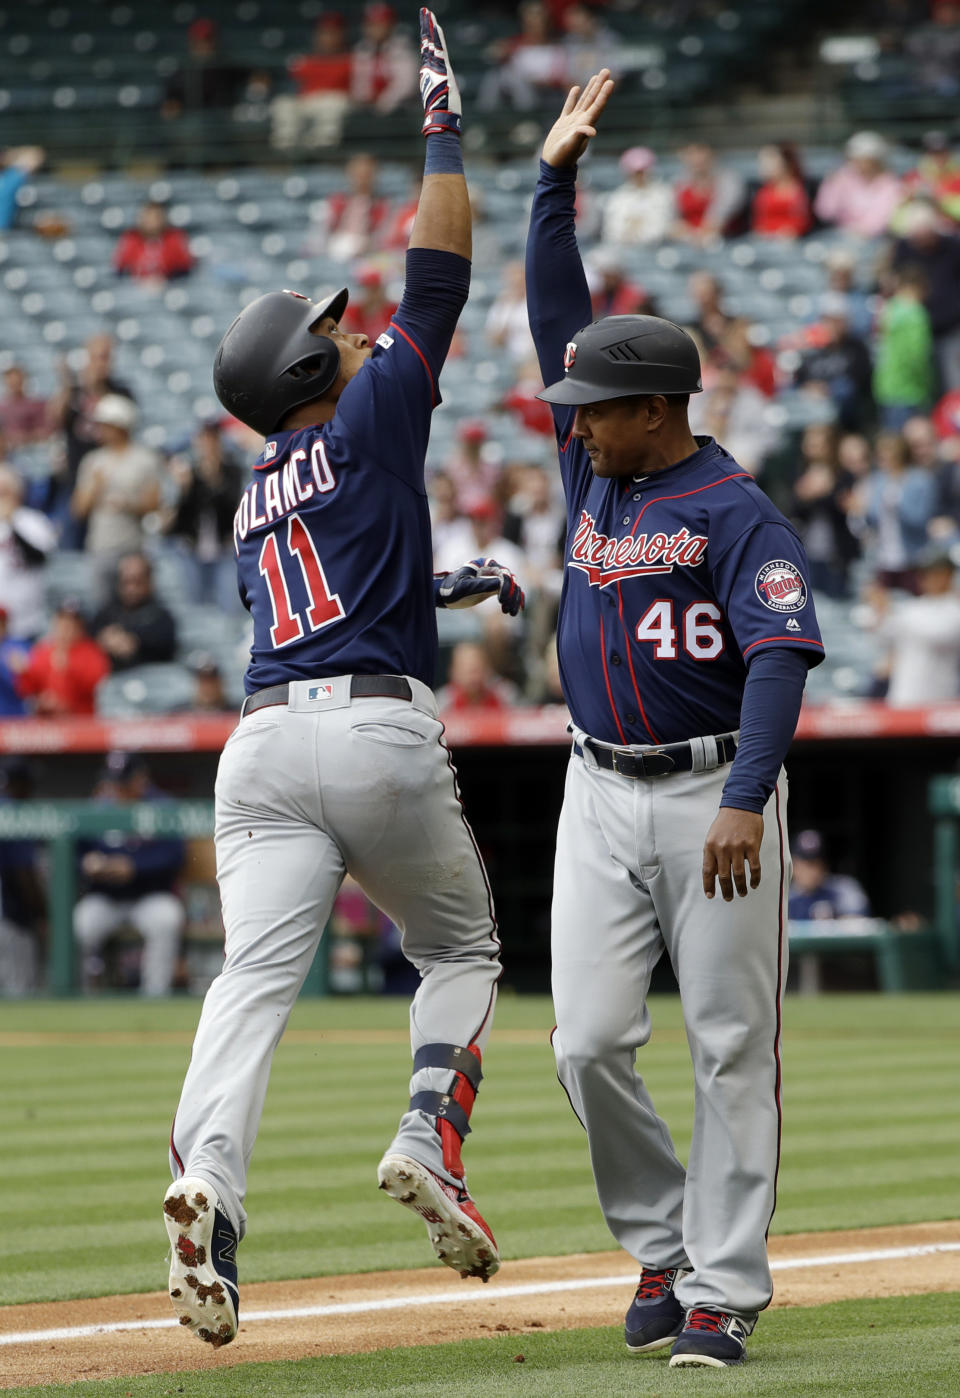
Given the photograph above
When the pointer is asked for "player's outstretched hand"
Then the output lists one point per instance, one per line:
(570, 134)
(477, 580)
(438, 86)
(733, 846)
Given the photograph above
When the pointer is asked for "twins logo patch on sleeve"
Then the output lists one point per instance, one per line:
(780, 586)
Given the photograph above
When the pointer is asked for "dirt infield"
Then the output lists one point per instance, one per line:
(381, 1309)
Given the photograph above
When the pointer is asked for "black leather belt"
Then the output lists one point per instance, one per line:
(656, 762)
(361, 687)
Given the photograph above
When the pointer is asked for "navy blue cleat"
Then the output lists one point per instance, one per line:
(203, 1261)
(711, 1339)
(656, 1317)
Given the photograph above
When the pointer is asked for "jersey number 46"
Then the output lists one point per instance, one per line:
(702, 637)
(323, 606)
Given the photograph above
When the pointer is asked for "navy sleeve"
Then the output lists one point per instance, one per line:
(768, 720)
(558, 299)
(385, 409)
(761, 581)
(435, 292)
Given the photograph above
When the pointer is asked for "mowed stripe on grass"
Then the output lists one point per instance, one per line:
(866, 1139)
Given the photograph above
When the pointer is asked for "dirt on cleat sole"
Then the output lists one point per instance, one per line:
(201, 1299)
(458, 1240)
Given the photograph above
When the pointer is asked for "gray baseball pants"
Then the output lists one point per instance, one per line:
(159, 919)
(628, 886)
(306, 792)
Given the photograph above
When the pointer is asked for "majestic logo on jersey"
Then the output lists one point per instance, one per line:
(608, 560)
(780, 586)
(569, 355)
(793, 624)
(320, 691)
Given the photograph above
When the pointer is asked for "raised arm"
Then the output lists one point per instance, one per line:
(443, 220)
(558, 300)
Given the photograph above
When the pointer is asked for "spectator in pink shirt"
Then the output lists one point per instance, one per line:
(861, 195)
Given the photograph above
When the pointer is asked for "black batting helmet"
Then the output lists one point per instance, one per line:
(620, 356)
(268, 362)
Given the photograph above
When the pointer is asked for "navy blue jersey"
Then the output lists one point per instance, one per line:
(672, 582)
(332, 535)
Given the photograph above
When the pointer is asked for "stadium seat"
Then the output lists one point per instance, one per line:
(145, 689)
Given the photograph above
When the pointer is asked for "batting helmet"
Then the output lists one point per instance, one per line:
(619, 356)
(268, 362)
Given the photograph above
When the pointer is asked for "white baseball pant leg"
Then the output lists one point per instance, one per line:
(629, 885)
(304, 793)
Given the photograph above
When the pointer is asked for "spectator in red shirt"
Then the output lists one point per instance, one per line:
(385, 63)
(521, 399)
(612, 293)
(473, 683)
(781, 206)
(708, 198)
(350, 220)
(472, 466)
(313, 115)
(153, 250)
(63, 670)
(22, 418)
(525, 66)
(397, 230)
(753, 361)
(370, 309)
(946, 416)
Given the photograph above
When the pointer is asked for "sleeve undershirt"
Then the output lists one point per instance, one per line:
(768, 720)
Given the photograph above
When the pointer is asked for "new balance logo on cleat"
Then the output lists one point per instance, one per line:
(203, 1261)
(710, 1339)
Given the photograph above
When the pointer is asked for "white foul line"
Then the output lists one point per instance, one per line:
(450, 1298)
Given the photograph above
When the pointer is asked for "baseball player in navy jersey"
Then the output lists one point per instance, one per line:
(685, 632)
(338, 764)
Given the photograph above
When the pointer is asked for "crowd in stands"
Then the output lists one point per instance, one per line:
(872, 482)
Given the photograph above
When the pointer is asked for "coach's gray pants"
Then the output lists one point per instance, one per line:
(628, 885)
(306, 792)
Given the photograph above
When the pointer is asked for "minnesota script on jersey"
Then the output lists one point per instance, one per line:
(671, 581)
(335, 523)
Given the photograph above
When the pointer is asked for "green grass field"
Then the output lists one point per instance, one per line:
(853, 1349)
(89, 1089)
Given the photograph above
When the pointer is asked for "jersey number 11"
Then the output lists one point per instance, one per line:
(323, 607)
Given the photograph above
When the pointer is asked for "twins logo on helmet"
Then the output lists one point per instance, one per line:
(780, 586)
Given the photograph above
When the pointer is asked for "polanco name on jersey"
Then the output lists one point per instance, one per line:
(608, 560)
(269, 498)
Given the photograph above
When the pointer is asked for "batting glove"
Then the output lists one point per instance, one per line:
(438, 86)
(480, 578)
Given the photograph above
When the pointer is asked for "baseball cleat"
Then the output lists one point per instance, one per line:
(655, 1317)
(203, 1261)
(711, 1339)
(459, 1235)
